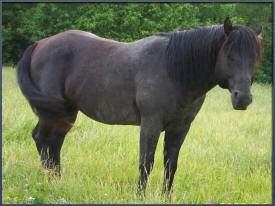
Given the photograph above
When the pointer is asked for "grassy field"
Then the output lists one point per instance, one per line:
(226, 157)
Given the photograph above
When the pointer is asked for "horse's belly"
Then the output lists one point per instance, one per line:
(111, 113)
(109, 100)
(110, 105)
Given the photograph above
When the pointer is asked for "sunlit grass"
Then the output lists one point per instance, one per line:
(226, 157)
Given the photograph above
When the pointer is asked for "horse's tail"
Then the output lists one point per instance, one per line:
(45, 106)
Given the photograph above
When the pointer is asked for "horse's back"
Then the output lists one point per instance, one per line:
(58, 56)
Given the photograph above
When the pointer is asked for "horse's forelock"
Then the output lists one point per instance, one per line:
(244, 41)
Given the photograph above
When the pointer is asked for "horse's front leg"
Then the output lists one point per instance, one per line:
(173, 140)
(149, 135)
(172, 144)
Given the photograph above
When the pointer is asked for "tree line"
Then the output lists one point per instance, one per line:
(26, 23)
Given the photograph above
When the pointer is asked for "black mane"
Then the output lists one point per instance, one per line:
(192, 54)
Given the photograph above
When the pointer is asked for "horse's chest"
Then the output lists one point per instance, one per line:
(186, 112)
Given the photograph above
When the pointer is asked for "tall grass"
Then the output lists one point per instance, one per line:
(226, 157)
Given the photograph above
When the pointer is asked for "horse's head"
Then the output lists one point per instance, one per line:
(236, 62)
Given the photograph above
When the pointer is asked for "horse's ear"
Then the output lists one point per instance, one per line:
(227, 26)
(258, 30)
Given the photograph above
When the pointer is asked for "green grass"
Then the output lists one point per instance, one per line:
(226, 157)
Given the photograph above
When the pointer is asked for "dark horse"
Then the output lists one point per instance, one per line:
(158, 82)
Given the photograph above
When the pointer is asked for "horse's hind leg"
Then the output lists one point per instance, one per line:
(49, 137)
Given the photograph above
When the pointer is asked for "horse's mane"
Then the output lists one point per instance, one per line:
(192, 54)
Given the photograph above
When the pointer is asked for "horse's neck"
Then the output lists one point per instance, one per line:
(207, 80)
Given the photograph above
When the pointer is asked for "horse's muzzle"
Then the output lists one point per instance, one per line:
(240, 100)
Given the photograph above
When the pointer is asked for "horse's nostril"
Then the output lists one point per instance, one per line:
(235, 94)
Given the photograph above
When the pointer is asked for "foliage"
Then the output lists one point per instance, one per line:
(25, 23)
